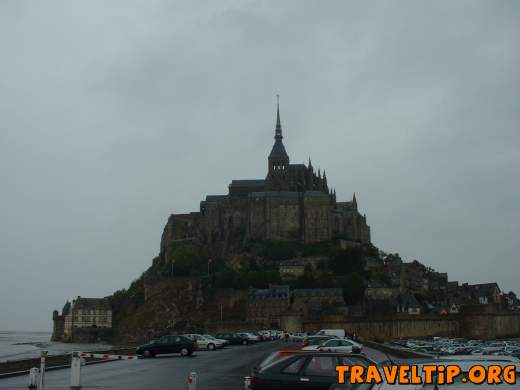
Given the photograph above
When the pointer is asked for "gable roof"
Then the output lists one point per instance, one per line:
(91, 304)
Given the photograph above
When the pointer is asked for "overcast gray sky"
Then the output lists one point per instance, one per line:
(114, 115)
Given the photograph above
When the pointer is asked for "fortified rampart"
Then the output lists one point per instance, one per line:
(480, 326)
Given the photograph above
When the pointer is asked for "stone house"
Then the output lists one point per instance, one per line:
(376, 290)
(294, 268)
(483, 294)
(266, 306)
(82, 314)
(408, 304)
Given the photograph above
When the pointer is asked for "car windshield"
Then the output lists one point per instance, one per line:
(273, 358)
(317, 340)
(208, 336)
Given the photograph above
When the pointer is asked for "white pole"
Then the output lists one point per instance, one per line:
(33, 378)
(247, 383)
(75, 371)
(192, 381)
(43, 357)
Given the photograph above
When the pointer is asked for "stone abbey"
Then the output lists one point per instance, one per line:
(293, 203)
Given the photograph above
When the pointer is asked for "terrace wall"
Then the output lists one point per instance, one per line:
(478, 326)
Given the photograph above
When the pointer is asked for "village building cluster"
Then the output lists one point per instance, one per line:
(406, 289)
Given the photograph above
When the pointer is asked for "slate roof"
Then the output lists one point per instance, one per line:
(92, 304)
(278, 151)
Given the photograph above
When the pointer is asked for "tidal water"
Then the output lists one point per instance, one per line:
(24, 345)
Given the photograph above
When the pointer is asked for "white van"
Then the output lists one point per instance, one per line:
(332, 332)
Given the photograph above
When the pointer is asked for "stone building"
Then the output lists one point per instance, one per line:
(407, 303)
(292, 203)
(483, 294)
(294, 268)
(266, 306)
(315, 302)
(82, 315)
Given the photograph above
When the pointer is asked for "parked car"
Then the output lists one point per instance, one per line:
(302, 370)
(204, 342)
(234, 338)
(223, 341)
(297, 337)
(336, 345)
(266, 334)
(251, 337)
(166, 345)
(340, 333)
(315, 340)
(261, 337)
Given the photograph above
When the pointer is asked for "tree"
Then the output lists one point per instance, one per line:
(345, 261)
(353, 288)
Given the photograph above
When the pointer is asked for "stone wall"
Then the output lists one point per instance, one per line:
(317, 216)
(385, 329)
(488, 325)
(275, 216)
(90, 335)
(215, 327)
(479, 326)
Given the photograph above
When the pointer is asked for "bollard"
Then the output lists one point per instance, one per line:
(33, 378)
(192, 381)
(43, 357)
(75, 371)
(247, 383)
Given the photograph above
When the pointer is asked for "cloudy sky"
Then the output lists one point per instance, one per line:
(114, 115)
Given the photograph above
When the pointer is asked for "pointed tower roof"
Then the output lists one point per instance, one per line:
(278, 151)
(278, 130)
(325, 185)
(354, 201)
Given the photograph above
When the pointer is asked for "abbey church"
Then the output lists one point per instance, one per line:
(293, 202)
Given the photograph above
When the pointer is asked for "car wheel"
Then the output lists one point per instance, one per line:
(147, 354)
(244, 342)
(185, 352)
(211, 346)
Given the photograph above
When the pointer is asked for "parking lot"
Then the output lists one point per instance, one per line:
(216, 370)
(223, 369)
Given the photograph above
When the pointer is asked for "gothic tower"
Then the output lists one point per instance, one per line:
(278, 159)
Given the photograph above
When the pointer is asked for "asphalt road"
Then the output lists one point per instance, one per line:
(217, 370)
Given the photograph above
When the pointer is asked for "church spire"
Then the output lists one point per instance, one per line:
(278, 159)
(354, 201)
(278, 131)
